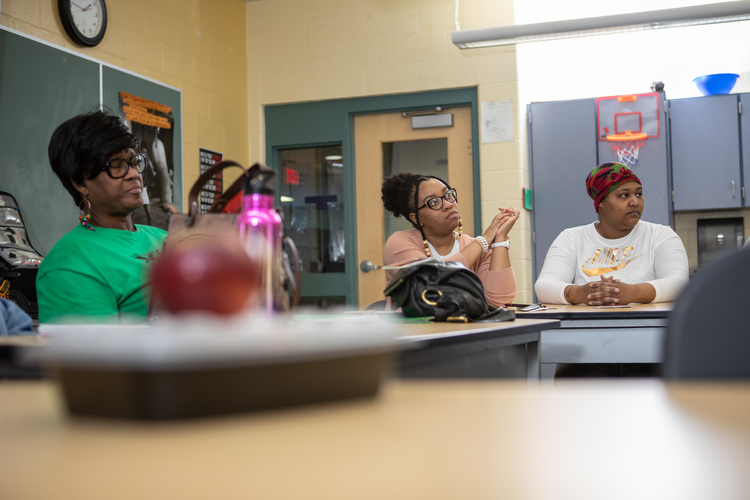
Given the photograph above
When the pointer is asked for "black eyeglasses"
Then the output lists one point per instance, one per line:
(436, 203)
(117, 168)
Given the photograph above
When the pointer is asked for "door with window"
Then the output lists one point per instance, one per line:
(330, 158)
(385, 144)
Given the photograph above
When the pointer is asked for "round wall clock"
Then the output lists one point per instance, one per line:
(85, 21)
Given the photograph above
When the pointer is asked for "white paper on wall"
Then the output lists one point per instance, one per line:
(497, 121)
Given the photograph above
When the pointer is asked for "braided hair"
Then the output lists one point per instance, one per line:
(400, 195)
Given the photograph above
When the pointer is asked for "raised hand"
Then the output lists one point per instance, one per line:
(509, 216)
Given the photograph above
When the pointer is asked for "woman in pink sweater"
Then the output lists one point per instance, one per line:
(431, 206)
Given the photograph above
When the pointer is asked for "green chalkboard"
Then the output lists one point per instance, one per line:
(41, 86)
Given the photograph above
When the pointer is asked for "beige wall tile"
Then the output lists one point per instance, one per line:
(392, 79)
(497, 67)
(27, 11)
(199, 98)
(499, 156)
(378, 49)
(335, 27)
(418, 47)
(283, 89)
(453, 73)
(392, 20)
(194, 41)
(504, 187)
(337, 84)
(162, 26)
(178, 63)
(145, 49)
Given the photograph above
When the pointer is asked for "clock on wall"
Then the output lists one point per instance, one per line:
(85, 21)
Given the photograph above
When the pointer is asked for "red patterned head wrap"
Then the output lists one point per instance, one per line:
(605, 177)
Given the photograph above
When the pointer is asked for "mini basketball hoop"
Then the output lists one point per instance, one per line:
(625, 146)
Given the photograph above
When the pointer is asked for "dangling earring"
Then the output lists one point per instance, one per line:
(460, 228)
(85, 215)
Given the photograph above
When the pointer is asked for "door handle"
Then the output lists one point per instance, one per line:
(732, 189)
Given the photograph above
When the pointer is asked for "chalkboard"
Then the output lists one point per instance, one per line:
(41, 86)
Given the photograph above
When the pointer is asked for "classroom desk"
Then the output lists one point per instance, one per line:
(508, 349)
(418, 439)
(592, 335)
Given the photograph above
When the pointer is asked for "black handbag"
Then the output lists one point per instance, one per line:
(445, 290)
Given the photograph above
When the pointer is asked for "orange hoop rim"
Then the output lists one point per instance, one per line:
(627, 136)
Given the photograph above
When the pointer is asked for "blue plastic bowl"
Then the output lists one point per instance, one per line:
(720, 83)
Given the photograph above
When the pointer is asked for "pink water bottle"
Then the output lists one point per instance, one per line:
(260, 231)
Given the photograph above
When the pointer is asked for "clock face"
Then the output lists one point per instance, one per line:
(87, 16)
(85, 21)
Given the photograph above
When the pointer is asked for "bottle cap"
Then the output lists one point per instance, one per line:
(260, 180)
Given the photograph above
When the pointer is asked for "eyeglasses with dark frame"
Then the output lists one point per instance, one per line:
(436, 203)
(117, 168)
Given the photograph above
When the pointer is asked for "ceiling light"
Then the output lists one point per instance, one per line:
(621, 23)
(333, 157)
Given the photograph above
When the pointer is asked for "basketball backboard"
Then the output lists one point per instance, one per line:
(637, 113)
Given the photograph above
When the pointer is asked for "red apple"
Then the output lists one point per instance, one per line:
(207, 278)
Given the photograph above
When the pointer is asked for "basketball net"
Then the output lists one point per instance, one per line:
(625, 147)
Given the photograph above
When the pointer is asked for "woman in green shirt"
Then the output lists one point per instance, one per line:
(99, 268)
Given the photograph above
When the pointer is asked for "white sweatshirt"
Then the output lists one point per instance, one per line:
(651, 253)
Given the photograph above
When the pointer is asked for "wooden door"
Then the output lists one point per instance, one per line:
(378, 132)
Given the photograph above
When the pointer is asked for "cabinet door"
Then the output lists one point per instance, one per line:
(562, 139)
(705, 153)
(745, 138)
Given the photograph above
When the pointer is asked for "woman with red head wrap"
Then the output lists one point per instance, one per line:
(619, 259)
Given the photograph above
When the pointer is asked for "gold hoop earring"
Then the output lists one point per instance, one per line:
(460, 228)
(85, 214)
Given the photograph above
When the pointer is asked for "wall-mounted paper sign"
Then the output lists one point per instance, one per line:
(215, 186)
(497, 121)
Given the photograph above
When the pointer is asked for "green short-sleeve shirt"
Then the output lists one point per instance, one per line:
(98, 273)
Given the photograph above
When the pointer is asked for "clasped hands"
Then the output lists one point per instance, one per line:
(605, 292)
(501, 224)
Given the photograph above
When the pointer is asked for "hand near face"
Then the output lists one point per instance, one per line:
(501, 225)
(508, 218)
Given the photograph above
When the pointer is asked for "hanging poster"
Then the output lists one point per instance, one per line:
(214, 187)
(153, 124)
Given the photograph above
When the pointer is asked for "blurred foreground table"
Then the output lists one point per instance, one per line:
(417, 439)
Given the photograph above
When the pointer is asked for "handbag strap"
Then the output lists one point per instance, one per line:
(195, 191)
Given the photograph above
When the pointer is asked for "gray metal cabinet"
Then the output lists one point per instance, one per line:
(745, 141)
(705, 141)
(562, 137)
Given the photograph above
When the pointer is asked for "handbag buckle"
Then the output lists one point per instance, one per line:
(424, 296)
(457, 319)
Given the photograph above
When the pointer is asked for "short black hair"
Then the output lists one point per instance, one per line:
(400, 193)
(83, 144)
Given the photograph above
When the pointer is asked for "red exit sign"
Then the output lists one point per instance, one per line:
(292, 176)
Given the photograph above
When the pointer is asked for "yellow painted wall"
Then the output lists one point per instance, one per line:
(309, 50)
(197, 46)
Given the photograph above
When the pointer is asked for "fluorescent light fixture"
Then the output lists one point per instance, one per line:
(605, 25)
(340, 165)
(286, 199)
(333, 157)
